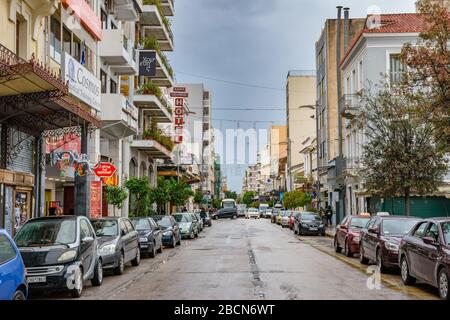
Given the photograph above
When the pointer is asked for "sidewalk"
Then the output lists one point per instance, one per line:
(330, 231)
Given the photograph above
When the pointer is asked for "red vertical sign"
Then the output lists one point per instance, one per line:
(179, 119)
(96, 199)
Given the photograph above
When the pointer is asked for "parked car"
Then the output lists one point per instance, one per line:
(13, 281)
(241, 210)
(268, 214)
(262, 209)
(207, 221)
(150, 236)
(348, 234)
(380, 240)
(308, 223)
(199, 221)
(280, 217)
(188, 227)
(424, 254)
(275, 212)
(252, 213)
(118, 243)
(286, 217)
(225, 213)
(171, 234)
(60, 253)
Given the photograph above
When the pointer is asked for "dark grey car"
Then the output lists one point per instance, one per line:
(118, 243)
(150, 236)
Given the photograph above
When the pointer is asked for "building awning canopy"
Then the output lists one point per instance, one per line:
(34, 99)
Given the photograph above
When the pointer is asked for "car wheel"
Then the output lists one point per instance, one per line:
(98, 275)
(19, 295)
(404, 271)
(337, 249)
(192, 235)
(160, 250)
(443, 284)
(137, 260)
(347, 251)
(362, 258)
(76, 293)
(173, 242)
(152, 253)
(380, 264)
(121, 266)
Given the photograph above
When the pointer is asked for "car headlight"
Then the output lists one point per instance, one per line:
(391, 246)
(304, 225)
(108, 249)
(167, 233)
(356, 239)
(321, 226)
(68, 255)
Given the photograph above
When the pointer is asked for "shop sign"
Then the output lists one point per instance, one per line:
(112, 181)
(179, 119)
(96, 199)
(147, 63)
(104, 169)
(87, 16)
(65, 159)
(179, 95)
(82, 84)
(65, 142)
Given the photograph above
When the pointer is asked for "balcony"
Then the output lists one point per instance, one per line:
(157, 107)
(116, 50)
(119, 116)
(127, 10)
(350, 106)
(154, 26)
(168, 7)
(151, 148)
(351, 167)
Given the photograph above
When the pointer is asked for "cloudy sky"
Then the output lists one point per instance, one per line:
(242, 51)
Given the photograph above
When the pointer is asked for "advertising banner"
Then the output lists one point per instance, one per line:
(147, 63)
(96, 199)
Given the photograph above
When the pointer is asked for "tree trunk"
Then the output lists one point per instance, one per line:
(407, 204)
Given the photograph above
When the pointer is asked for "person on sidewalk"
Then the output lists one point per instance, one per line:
(329, 215)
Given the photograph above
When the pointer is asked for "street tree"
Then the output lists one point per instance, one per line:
(198, 198)
(231, 195)
(401, 156)
(140, 200)
(116, 197)
(296, 199)
(179, 192)
(248, 197)
(160, 194)
(428, 63)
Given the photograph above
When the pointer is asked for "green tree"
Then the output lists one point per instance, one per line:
(254, 204)
(179, 192)
(115, 197)
(248, 197)
(160, 194)
(140, 199)
(401, 157)
(198, 197)
(217, 203)
(296, 199)
(231, 195)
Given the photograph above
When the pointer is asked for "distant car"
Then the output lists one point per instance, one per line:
(286, 217)
(199, 221)
(308, 223)
(279, 217)
(60, 253)
(225, 213)
(262, 209)
(348, 234)
(253, 213)
(13, 281)
(275, 213)
(424, 254)
(187, 225)
(118, 243)
(380, 240)
(207, 221)
(150, 236)
(171, 234)
(268, 214)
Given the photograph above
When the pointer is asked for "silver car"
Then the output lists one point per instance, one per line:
(285, 219)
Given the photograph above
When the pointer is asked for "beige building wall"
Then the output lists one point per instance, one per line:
(300, 92)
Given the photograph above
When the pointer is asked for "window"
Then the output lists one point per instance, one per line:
(7, 251)
(55, 40)
(433, 232)
(123, 227)
(396, 68)
(103, 80)
(76, 48)
(113, 86)
(85, 230)
(129, 225)
(420, 230)
(153, 224)
(67, 41)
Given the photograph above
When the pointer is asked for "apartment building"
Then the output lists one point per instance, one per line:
(278, 146)
(373, 55)
(301, 123)
(332, 45)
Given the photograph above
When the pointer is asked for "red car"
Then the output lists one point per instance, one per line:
(348, 234)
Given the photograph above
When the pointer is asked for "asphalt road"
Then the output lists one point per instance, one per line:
(251, 259)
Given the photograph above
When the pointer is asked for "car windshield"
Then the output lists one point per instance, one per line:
(398, 227)
(358, 223)
(228, 205)
(141, 224)
(105, 228)
(47, 233)
(164, 222)
(180, 218)
(446, 230)
(309, 216)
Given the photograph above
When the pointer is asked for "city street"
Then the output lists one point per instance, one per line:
(250, 259)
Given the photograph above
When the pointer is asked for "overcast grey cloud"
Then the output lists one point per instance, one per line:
(253, 42)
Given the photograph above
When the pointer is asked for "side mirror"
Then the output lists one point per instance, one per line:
(374, 230)
(87, 240)
(430, 241)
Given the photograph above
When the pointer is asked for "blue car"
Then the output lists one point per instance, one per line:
(13, 281)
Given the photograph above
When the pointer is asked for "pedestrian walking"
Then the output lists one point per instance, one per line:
(329, 215)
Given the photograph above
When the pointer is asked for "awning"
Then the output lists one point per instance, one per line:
(35, 99)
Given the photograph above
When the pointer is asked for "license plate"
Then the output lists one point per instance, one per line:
(313, 229)
(36, 279)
